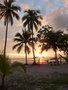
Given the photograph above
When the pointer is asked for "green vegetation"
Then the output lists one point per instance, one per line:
(51, 82)
(6, 67)
(50, 39)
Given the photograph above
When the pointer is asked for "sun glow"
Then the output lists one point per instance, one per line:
(39, 56)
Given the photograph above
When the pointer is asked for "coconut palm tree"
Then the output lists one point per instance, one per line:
(32, 19)
(51, 39)
(23, 40)
(8, 10)
(6, 67)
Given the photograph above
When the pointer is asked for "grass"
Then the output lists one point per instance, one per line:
(51, 82)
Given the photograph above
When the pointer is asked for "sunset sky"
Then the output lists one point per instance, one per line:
(54, 12)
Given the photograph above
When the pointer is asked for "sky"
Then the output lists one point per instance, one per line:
(54, 13)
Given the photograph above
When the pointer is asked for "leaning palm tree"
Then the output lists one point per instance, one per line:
(32, 19)
(50, 40)
(23, 40)
(6, 67)
(8, 10)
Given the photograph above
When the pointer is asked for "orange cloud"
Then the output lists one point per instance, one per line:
(66, 2)
(44, 21)
(24, 5)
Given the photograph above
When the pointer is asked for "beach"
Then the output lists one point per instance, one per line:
(44, 74)
(39, 75)
(47, 69)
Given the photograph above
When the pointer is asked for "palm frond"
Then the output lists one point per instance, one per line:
(2, 14)
(21, 39)
(8, 10)
(18, 40)
(19, 48)
(9, 2)
(30, 44)
(5, 2)
(25, 23)
(38, 22)
(27, 49)
(15, 15)
(40, 17)
(18, 35)
(24, 17)
(31, 18)
(37, 11)
(16, 45)
(5, 20)
(11, 19)
(15, 8)
(35, 26)
(2, 7)
(44, 48)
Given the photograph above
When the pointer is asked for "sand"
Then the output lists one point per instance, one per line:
(39, 71)
(43, 70)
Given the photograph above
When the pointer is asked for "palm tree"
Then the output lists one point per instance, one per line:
(8, 10)
(23, 40)
(6, 67)
(50, 40)
(32, 19)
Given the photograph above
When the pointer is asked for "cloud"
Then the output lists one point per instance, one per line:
(24, 5)
(1, 1)
(58, 18)
(44, 21)
(50, 2)
(66, 2)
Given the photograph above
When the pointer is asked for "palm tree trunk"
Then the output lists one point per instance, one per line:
(56, 56)
(25, 54)
(33, 48)
(6, 38)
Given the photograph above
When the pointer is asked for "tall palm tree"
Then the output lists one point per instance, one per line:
(8, 10)
(23, 40)
(32, 19)
(51, 39)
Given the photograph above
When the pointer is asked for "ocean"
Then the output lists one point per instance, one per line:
(29, 61)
